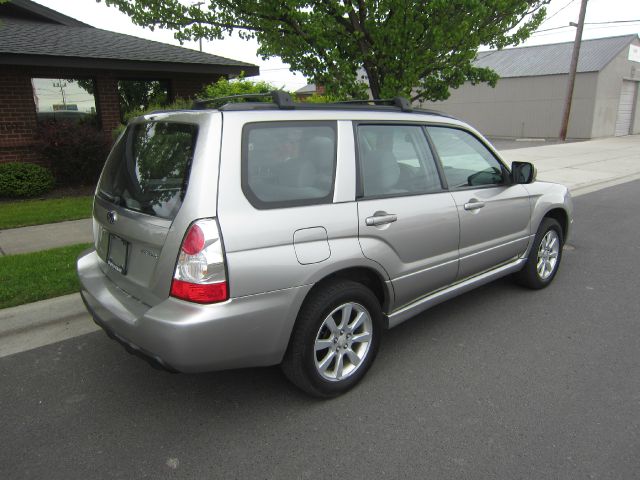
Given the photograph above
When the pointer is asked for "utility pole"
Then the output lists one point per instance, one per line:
(199, 5)
(572, 72)
(62, 85)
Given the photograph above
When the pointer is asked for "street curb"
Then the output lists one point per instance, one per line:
(33, 325)
(585, 188)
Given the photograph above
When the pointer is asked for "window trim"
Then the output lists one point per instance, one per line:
(506, 172)
(244, 167)
(359, 183)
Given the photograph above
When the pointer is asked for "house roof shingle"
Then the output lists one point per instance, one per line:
(49, 42)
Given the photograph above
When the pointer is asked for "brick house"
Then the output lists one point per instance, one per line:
(46, 57)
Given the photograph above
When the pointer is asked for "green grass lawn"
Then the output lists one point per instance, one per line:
(37, 212)
(30, 277)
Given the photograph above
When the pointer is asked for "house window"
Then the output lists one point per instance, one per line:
(64, 99)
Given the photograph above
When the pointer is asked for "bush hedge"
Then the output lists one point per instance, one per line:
(76, 152)
(21, 180)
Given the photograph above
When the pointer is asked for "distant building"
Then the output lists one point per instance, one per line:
(529, 97)
(309, 90)
(50, 62)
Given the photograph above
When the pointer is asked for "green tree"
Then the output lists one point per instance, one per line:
(239, 86)
(136, 94)
(222, 88)
(393, 47)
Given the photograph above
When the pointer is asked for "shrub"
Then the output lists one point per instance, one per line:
(20, 180)
(238, 86)
(75, 152)
(316, 98)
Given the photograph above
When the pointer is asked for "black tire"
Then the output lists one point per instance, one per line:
(299, 364)
(529, 276)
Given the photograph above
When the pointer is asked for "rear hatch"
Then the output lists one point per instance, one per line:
(141, 208)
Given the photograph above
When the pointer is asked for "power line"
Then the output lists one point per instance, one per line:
(549, 18)
(612, 21)
(550, 29)
(595, 27)
(273, 69)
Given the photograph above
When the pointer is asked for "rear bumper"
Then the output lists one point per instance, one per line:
(187, 337)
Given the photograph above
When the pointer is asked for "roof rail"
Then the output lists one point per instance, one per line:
(283, 101)
(400, 102)
(281, 98)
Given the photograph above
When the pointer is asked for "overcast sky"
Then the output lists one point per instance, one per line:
(560, 13)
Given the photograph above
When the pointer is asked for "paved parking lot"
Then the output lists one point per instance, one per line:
(500, 383)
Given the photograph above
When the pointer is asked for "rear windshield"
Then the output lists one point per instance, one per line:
(148, 169)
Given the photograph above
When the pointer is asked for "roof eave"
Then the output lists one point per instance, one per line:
(125, 65)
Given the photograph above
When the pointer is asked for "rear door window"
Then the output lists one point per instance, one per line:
(148, 169)
(396, 160)
(288, 163)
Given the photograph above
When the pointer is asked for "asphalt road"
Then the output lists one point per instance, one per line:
(500, 383)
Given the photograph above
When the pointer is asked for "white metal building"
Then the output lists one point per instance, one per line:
(529, 97)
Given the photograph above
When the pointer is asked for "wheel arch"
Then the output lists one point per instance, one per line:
(364, 275)
(562, 217)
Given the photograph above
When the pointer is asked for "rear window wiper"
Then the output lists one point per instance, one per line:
(115, 199)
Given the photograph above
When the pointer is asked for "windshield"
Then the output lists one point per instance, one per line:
(148, 169)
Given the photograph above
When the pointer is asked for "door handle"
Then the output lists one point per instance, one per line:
(380, 219)
(473, 204)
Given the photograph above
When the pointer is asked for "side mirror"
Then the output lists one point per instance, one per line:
(523, 172)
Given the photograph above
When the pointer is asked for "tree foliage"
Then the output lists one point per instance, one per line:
(177, 104)
(137, 94)
(133, 95)
(239, 86)
(393, 46)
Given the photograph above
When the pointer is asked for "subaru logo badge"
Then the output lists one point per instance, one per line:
(112, 216)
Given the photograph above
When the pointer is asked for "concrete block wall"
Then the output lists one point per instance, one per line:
(524, 106)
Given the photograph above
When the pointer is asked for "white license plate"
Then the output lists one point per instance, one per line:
(117, 253)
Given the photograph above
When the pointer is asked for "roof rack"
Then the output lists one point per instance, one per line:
(400, 102)
(283, 101)
(281, 98)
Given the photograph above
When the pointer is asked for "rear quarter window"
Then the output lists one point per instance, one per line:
(148, 169)
(288, 163)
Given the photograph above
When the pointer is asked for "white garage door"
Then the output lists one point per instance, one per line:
(625, 108)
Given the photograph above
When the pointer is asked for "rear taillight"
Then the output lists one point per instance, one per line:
(200, 275)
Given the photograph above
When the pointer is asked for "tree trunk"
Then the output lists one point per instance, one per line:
(374, 80)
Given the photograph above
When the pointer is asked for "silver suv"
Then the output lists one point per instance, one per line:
(259, 234)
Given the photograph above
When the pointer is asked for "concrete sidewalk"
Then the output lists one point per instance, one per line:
(43, 237)
(584, 166)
